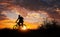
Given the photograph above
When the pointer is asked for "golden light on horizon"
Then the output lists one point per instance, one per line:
(23, 28)
(10, 24)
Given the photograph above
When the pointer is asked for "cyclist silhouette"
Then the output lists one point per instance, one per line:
(20, 20)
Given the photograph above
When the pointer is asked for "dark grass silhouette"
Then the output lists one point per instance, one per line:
(51, 31)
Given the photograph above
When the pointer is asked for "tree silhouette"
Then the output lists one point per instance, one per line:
(50, 25)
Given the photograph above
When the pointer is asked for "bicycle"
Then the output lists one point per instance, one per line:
(17, 27)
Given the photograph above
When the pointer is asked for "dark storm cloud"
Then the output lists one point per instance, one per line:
(3, 7)
(46, 5)
(49, 6)
(3, 17)
(34, 4)
(37, 4)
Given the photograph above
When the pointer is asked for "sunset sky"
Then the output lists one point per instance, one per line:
(34, 12)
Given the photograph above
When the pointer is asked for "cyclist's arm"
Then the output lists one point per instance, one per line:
(17, 19)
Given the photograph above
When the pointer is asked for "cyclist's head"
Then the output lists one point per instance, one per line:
(19, 15)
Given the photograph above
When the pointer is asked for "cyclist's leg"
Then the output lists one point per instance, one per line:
(18, 23)
(22, 23)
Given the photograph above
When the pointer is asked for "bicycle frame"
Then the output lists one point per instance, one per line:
(18, 26)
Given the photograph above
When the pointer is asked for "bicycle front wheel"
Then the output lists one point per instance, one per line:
(15, 27)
